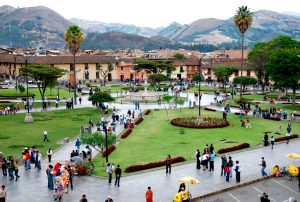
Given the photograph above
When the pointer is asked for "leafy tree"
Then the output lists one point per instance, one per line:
(223, 73)
(198, 78)
(284, 69)
(167, 99)
(178, 56)
(97, 141)
(244, 81)
(44, 74)
(154, 66)
(100, 97)
(180, 101)
(155, 79)
(104, 73)
(243, 20)
(21, 88)
(73, 38)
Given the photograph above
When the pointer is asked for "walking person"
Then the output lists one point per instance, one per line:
(198, 154)
(263, 166)
(118, 173)
(237, 171)
(11, 169)
(227, 171)
(287, 137)
(4, 166)
(38, 158)
(17, 170)
(3, 193)
(168, 164)
(77, 144)
(70, 176)
(46, 136)
(109, 172)
(49, 154)
(211, 149)
(50, 177)
(211, 162)
(272, 142)
(149, 195)
(230, 162)
(80, 100)
(83, 198)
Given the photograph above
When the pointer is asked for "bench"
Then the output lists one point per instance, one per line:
(66, 140)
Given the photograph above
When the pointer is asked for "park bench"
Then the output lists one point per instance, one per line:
(66, 140)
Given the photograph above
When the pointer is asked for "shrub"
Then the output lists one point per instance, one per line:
(147, 112)
(110, 149)
(126, 134)
(139, 121)
(21, 88)
(272, 118)
(206, 122)
(208, 109)
(134, 168)
(234, 148)
(279, 139)
(81, 169)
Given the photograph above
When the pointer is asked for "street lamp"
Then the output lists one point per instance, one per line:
(104, 128)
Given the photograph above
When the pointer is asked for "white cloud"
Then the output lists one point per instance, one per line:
(153, 13)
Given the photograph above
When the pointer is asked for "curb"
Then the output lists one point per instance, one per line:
(231, 188)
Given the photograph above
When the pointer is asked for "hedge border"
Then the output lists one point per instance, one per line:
(140, 167)
(126, 133)
(234, 148)
(280, 139)
(147, 112)
(140, 120)
(110, 149)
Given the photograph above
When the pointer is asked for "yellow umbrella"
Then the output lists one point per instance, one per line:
(189, 180)
(293, 156)
(293, 170)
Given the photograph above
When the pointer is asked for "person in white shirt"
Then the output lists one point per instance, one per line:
(46, 136)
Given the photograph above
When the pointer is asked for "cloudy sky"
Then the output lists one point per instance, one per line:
(153, 13)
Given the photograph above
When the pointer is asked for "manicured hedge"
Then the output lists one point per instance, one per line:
(234, 148)
(175, 122)
(110, 149)
(126, 133)
(279, 139)
(137, 122)
(152, 165)
(147, 112)
(208, 109)
(272, 118)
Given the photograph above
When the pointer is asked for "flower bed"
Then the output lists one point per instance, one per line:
(272, 118)
(152, 165)
(234, 148)
(208, 109)
(206, 122)
(110, 149)
(137, 122)
(279, 139)
(147, 112)
(126, 134)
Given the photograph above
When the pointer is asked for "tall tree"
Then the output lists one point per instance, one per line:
(154, 66)
(99, 98)
(155, 79)
(243, 20)
(178, 56)
(284, 69)
(45, 75)
(244, 81)
(223, 73)
(104, 72)
(73, 38)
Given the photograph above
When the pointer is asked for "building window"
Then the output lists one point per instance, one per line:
(181, 69)
(122, 68)
(209, 71)
(86, 66)
(236, 73)
(51, 65)
(71, 67)
(248, 73)
(97, 75)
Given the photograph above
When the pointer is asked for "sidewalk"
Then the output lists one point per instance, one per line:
(164, 186)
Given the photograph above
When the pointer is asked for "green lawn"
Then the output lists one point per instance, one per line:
(15, 134)
(63, 93)
(155, 138)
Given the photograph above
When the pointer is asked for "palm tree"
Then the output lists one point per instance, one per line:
(243, 20)
(73, 38)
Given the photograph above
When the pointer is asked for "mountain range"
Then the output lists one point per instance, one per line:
(41, 27)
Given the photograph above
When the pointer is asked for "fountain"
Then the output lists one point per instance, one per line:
(144, 96)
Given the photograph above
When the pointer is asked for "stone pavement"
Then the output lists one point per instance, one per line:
(33, 184)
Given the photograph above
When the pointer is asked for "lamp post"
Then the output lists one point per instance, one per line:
(104, 126)
(199, 74)
(28, 117)
(57, 84)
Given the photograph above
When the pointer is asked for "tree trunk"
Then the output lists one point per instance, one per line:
(242, 66)
(75, 86)
(263, 87)
(294, 96)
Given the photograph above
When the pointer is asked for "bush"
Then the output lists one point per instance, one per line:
(279, 139)
(147, 112)
(234, 148)
(272, 118)
(139, 121)
(152, 165)
(126, 134)
(21, 88)
(81, 169)
(110, 149)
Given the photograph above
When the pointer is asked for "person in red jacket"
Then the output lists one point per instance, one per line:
(149, 195)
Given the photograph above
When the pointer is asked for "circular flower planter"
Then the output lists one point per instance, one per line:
(205, 122)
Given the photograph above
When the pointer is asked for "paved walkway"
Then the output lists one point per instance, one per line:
(164, 186)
